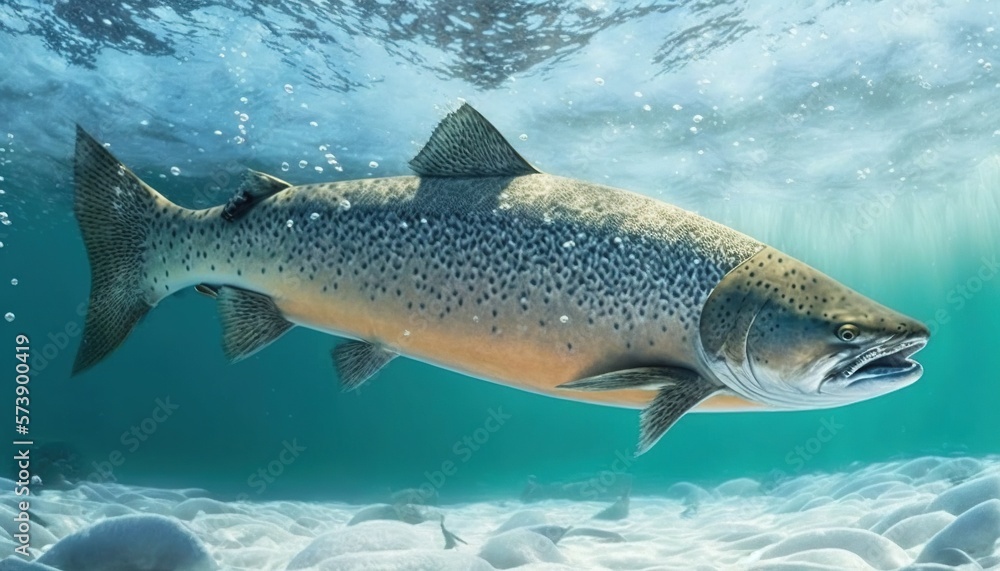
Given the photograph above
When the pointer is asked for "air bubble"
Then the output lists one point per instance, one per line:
(9, 317)
(697, 118)
(290, 223)
(303, 164)
(289, 88)
(318, 169)
(314, 216)
(523, 136)
(345, 204)
(598, 81)
(373, 165)
(244, 117)
(677, 107)
(647, 108)
(175, 171)
(313, 124)
(13, 281)
(284, 166)
(217, 132)
(564, 319)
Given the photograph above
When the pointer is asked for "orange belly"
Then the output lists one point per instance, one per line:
(471, 348)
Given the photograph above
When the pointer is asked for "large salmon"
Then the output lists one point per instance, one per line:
(483, 265)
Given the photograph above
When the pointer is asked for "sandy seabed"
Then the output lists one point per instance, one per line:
(922, 514)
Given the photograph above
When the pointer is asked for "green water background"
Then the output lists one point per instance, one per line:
(400, 429)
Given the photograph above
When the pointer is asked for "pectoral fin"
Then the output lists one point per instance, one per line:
(679, 390)
(645, 378)
(670, 404)
(358, 361)
(250, 321)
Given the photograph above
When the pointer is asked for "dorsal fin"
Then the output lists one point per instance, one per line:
(256, 186)
(465, 144)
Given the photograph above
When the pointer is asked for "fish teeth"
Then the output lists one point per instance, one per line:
(877, 353)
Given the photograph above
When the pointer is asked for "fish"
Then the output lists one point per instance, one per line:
(482, 264)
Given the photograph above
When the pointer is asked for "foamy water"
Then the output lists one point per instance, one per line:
(923, 514)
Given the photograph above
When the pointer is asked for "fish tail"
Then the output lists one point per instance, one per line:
(115, 211)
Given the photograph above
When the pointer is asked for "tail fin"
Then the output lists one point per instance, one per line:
(113, 208)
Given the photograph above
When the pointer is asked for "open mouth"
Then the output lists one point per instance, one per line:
(883, 362)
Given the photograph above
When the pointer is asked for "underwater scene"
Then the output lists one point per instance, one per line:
(385, 285)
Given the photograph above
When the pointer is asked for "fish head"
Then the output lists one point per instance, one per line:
(782, 333)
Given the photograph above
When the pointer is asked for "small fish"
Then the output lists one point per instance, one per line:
(483, 265)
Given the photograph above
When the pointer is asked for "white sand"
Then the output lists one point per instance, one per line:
(928, 513)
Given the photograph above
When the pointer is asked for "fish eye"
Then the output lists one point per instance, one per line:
(848, 332)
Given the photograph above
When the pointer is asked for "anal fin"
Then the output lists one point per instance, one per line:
(358, 361)
(678, 391)
(250, 321)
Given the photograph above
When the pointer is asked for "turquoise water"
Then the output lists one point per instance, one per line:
(861, 138)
